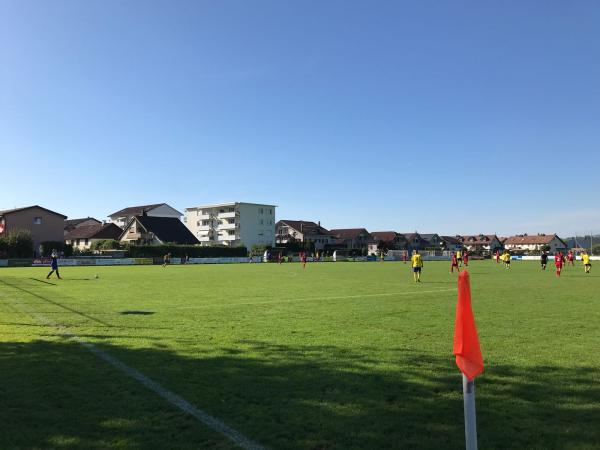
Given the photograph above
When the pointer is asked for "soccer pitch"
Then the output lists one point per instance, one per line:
(334, 356)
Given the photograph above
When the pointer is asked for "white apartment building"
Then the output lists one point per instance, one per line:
(232, 224)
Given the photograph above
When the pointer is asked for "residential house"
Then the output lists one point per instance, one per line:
(235, 223)
(435, 241)
(480, 243)
(124, 216)
(43, 224)
(71, 224)
(414, 241)
(451, 243)
(303, 231)
(82, 237)
(524, 243)
(352, 238)
(390, 240)
(150, 230)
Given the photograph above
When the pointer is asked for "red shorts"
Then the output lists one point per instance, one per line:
(558, 265)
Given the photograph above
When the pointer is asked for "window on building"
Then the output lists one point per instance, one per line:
(78, 241)
(262, 222)
(271, 211)
(231, 220)
(260, 211)
(231, 232)
(205, 223)
(86, 242)
(230, 209)
(37, 220)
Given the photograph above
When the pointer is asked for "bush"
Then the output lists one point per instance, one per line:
(106, 244)
(16, 244)
(217, 251)
(46, 248)
(260, 249)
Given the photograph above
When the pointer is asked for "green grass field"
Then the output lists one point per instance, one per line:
(336, 356)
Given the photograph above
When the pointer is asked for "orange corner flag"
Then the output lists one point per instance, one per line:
(466, 342)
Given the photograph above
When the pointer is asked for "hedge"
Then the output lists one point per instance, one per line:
(16, 244)
(106, 244)
(46, 248)
(193, 251)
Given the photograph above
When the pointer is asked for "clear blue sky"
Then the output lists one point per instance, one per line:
(448, 117)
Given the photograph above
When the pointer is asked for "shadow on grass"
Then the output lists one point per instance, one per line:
(58, 395)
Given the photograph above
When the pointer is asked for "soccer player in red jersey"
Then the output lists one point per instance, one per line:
(571, 258)
(466, 258)
(558, 262)
(497, 256)
(303, 259)
(454, 263)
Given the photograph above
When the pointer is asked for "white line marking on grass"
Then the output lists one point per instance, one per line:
(314, 299)
(174, 399)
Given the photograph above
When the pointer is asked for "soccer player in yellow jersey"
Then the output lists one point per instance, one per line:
(506, 259)
(417, 265)
(587, 265)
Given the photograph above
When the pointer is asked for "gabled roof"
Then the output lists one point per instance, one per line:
(429, 236)
(166, 229)
(75, 222)
(6, 212)
(305, 227)
(348, 233)
(412, 236)
(137, 210)
(477, 239)
(99, 231)
(451, 240)
(539, 239)
(386, 236)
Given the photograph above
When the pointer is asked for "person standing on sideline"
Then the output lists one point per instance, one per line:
(454, 263)
(417, 266)
(54, 265)
(585, 258)
(544, 260)
(166, 259)
(558, 262)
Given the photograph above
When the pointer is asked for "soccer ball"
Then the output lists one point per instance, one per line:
(96, 276)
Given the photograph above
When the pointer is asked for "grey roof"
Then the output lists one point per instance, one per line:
(137, 210)
(15, 210)
(167, 229)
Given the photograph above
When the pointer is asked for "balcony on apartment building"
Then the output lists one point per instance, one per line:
(227, 215)
(228, 226)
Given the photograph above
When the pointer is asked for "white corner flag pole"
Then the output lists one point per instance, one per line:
(470, 423)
